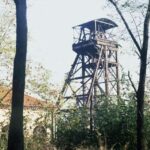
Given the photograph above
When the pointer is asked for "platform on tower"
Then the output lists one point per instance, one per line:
(91, 36)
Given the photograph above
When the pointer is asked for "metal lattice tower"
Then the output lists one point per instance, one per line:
(94, 71)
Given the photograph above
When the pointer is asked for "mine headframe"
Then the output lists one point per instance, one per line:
(94, 72)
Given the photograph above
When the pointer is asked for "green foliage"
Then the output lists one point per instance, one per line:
(3, 140)
(37, 77)
(114, 125)
(38, 81)
(73, 130)
(116, 122)
(7, 42)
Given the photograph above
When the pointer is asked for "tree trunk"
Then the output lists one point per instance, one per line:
(140, 109)
(16, 136)
(141, 86)
(143, 66)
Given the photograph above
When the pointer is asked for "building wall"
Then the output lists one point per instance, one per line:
(32, 118)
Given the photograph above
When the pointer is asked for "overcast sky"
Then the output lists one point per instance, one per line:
(50, 25)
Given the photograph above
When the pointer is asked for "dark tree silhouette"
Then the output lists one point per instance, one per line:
(142, 52)
(16, 136)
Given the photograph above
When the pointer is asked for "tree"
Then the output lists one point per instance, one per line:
(115, 122)
(16, 137)
(7, 42)
(142, 53)
(38, 82)
(72, 129)
(114, 125)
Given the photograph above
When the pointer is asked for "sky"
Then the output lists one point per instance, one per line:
(50, 25)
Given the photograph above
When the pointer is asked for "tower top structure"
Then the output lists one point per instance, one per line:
(100, 25)
(90, 36)
(94, 72)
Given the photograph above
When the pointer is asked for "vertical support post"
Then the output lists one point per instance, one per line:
(90, 97)
(117, 74)
(83, 77)
(94, 101)
(95, 29)
(52, 126)
(95, 90)
(55, 126)
(91, 114)
(106, 70)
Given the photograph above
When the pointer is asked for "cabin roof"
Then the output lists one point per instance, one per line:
(104, 23)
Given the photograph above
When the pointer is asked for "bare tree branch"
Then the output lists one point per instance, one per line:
(6, 31)
(6, 94)
(126, 25)
(137, 30)
(133, 85)
(137, 53)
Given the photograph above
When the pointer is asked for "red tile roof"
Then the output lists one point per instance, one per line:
(29, 101)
